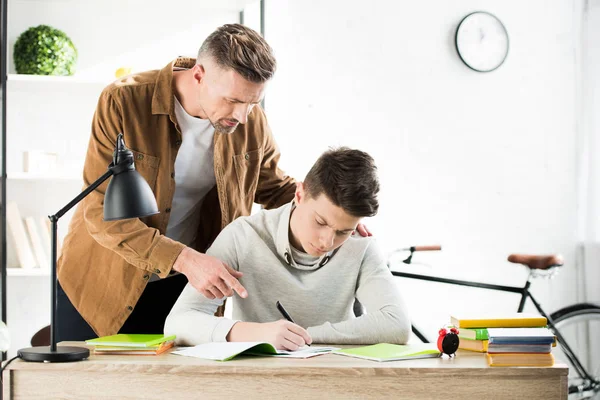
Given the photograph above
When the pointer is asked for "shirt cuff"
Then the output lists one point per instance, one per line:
(316, 333)
(164, 255)
(222, 329)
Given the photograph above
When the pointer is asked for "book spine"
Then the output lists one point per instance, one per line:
(474, 333)
(501, 323)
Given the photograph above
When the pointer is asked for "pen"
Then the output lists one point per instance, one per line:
(285, 314)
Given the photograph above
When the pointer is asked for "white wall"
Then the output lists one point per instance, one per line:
(483, 163)
(589, 167)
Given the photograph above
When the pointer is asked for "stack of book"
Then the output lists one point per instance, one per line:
(132, 344)
(511, 340)
(520, 347)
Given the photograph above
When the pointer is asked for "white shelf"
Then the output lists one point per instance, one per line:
(27, 272)
(59, 79)
(231, 5)
(44, 177)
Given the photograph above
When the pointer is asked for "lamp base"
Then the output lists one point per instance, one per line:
(62, 354)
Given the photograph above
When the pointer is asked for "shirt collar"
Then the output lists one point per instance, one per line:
(162, 99)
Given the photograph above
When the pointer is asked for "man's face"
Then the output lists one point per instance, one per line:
(318, 226)
(223, 96)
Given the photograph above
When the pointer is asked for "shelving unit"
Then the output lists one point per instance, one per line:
(27, 272)
(26, 176)
(3, 73)
(78, 79)
(54, 113)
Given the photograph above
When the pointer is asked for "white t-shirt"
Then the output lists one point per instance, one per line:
(194, 175)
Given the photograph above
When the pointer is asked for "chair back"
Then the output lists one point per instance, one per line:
(41, 337)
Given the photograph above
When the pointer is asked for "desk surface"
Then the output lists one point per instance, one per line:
(182, 377)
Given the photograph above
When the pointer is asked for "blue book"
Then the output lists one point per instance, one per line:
(520, 336)
(519, 348)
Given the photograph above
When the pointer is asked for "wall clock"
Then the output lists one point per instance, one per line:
(481, 41)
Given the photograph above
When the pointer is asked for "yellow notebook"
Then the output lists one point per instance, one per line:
(516, 320)
(131, 340)
(520, 360)
(473, 345)
(120, 350)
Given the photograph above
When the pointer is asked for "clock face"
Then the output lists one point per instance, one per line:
(481, 41)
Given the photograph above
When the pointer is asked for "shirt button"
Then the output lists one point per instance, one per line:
(247, 156)
(178, 142)
(140, 157)
(168, 210)
(157, 271)
(130, 308)
(146, 277)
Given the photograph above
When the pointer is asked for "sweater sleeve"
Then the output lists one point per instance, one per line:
(192, 317)
(386, 320)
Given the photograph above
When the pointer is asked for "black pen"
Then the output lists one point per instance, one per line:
(285, 314)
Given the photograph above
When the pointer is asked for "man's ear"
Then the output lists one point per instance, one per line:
(300, 194)
(198, 72)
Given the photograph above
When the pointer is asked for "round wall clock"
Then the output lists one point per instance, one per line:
(481, 41)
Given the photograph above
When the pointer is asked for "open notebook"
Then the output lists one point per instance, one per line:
(224, 351)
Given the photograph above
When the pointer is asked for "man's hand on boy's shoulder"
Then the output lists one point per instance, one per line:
(210, 276)
(363, 231)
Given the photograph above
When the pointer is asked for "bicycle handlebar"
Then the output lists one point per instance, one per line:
(435, 247)
(412, 249)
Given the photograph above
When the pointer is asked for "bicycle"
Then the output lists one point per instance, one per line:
(573, 326)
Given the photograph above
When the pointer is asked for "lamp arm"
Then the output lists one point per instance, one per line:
(81, 195)
(54, 228)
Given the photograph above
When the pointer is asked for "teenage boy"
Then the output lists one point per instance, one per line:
(305, 255)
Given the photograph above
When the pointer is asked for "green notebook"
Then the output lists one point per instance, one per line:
(392, 352)
(130, 340)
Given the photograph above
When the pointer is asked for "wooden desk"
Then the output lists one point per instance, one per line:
(324, 377)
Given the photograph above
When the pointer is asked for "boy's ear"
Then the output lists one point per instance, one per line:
(300, 194)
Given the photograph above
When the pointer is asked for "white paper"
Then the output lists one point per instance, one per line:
(305, 352)
(221, 351)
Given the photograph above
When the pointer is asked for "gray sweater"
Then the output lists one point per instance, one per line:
(318, 297)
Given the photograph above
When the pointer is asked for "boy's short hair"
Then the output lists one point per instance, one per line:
(237, 47)
(349, 180)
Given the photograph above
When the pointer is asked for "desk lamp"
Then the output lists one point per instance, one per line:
(127, 196)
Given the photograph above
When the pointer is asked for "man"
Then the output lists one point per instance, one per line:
(203, 144)
(304, 254)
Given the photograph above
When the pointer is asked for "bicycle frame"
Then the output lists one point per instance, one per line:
(525, 294)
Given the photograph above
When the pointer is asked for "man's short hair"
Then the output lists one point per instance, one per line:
(349, 180)
(242, 49)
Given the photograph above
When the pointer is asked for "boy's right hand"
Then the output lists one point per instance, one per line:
(282, 334)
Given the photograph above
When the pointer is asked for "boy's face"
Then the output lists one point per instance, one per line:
(318, 226)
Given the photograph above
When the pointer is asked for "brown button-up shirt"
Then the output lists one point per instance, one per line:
(105, 266)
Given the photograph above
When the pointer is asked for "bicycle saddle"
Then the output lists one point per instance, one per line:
(537, 262)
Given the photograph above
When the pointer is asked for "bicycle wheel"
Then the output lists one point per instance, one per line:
(579, 325)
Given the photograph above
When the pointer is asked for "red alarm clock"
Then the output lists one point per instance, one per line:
(448, 341)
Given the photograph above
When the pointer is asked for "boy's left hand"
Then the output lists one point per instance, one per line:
(362, 229)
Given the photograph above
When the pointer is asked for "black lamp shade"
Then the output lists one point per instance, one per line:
(128, 196)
